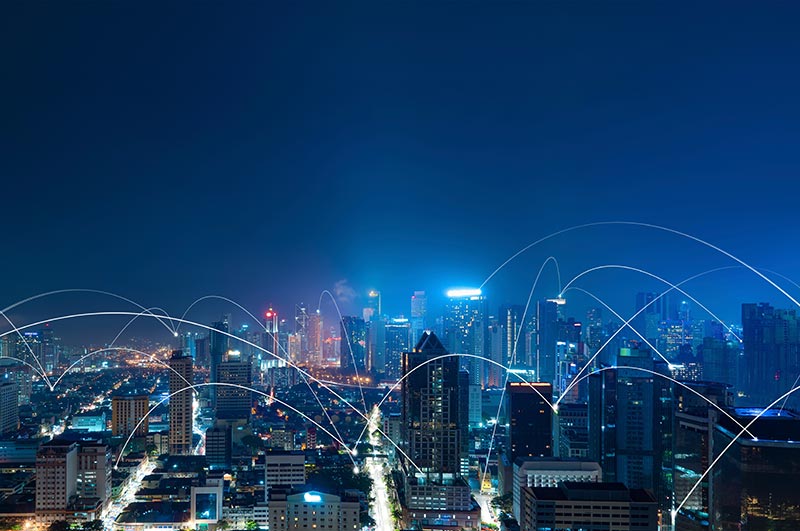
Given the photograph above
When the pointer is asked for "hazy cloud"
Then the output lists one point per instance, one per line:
(344, 292)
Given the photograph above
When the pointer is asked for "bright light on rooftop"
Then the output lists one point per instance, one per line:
(463, 292)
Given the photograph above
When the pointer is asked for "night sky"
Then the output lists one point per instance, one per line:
(267, 150)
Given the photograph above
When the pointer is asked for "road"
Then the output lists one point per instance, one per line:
(488, 514)
(381, 511)
(128, 494)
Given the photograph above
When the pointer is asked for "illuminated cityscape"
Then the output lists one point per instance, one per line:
(419, 266)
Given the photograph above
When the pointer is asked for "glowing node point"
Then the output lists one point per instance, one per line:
(555, 409)
(355, 470)
(175, 334)
(354, 452)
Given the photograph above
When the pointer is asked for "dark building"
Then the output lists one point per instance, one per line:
(530, 419)
(771, 341)
(398, 334)
(694, 422)
(218, 343)
(354, 346)
(631, 423)
(544, 359)
(588, 506)
(432, 420)
(753, 487)
(572, 432)
(218, 447)
(720, 360)
(234, 402)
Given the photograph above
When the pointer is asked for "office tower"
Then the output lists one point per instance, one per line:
(353, 347)
(94, 471)
(56, 480)
(572, 432)
(372, 310)
(694, 422)
(753, 486)
(547, 472)
(189, 344)
(674, 340)
(595, 332)
(49, 348)
(398, 340)
(376, 345)
(432, 421)
(271, 335)
(544, 359)
(9, 407)
(301, 331)
(514, 344)
(464, 325)
(312, 510)
(588, 507)
(419, 310)
(218, 345)
(181, 419)
(720, 360)
(219, 447)
(202, 347)
(128, 407)
(234, 402)
(771, 353)
(530, 419)
(494, 375)
(655, 311)
(28, 347)
(283, 468)
(630, 424)
(315, 339)
(13, 371)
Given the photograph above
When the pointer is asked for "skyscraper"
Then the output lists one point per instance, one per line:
(180, 404)
(419, 310)
(771, 353)
(432, 436)
(218, 346)
(544, 359)
(631, 424)
(354, 346)
(234, 403)
(530, 419)
(9, 407)
(398, 337)
(373, 308)
(56, 480)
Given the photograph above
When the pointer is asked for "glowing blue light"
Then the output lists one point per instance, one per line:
(463, 292)
(312, 498)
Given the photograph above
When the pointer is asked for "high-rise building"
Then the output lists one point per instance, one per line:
(94, 471)
(354, 346)
(465, 324)
(771, 353)
(301, 331)
(13, 371)
(315, 327)
(372, 310)
(398, 341)
(56, 480)
(219, 447)
(234, 402)
(9, 407)
(631, 424)
(180, 404)
(515, 353)
(753, 486)
(543, 361)
(720, 360)
(694, 423)
(218, 345)
(530, 419)
(572, 432)
(376, 345)
(128, 407)
(419, 310)
(494, 376)
(432, 437)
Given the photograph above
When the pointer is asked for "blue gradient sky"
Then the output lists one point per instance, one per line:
(265, 151)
